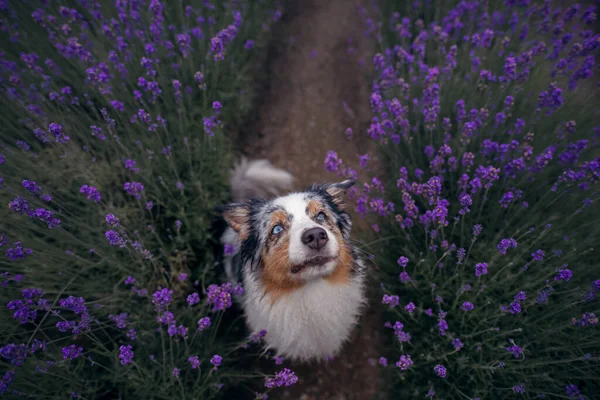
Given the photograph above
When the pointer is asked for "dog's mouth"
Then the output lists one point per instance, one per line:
(313, 262)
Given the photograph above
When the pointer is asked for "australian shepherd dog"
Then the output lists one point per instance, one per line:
(304, 281)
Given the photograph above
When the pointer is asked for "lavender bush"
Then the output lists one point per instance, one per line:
(113, 155)
(486, 214)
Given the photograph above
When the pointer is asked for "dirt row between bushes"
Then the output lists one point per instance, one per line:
(316, 88)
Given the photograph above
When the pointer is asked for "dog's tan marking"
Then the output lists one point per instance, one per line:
(313, 208)
(276, 269)
(341, 273)
(276, 263)
(279, 217)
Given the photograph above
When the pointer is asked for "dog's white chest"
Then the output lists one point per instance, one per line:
(310, 323)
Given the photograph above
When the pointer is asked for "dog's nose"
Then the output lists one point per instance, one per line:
(315, 238)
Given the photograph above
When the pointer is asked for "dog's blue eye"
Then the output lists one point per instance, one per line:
(321, 216)
(277, 229)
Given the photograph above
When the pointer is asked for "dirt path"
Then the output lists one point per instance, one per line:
(314, 71)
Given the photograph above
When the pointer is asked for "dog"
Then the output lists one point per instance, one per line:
(304, 281)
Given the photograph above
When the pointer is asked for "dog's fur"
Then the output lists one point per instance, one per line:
(308, 300)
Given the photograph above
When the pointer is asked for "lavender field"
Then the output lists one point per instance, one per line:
(471, 127)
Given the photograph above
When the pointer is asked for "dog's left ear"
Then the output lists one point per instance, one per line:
(337, 191)
(237, 216)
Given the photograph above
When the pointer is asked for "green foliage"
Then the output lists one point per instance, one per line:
(183, 169)
(550, 209)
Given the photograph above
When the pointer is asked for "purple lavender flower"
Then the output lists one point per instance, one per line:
(403, 261)
(572, 390)
(71, 352)
(57, 131)
(229, 249)
(18, 252)
(440, 371)
(114, 239)
(193, 299)
(91, 193)
(457, 344)
(46, 216)
(162, 298)
(125, 354)
(544, 295)
(383, 361)
(184, 41)
(199, 78)
(506, 244)
(564, 274)
(516, 350)
(538, 255)
(587, 319)
(519, 389)
(194, 361)
(220, 296)
(404, 362)
(134, 189)
(282, 378)
(131, 334)
(203, 323)
(510, 68)
(238, 290)
(521, 296)
(15, 354)
(332, 161)
(465, 202)
(393, 301)
(467, 306)
(410, 307)
(256, 337)
(97, 132)
(40, 135)
(460, 254)
(404, 277)
(481, 269)
(216, 361)
(515, 307)
(120, 320)
(112, 220)
(130, 166)
(32, 187)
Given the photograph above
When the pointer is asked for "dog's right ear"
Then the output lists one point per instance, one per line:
(237, 216)
(337, 191)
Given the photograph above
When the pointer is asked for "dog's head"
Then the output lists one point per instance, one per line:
(295, 238)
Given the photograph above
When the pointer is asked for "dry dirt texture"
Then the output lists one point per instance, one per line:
(318, 66)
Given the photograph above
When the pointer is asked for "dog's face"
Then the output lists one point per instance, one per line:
(295, 238)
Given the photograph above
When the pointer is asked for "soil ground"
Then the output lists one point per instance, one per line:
(316, 88)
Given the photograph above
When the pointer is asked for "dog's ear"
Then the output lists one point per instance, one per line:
(237, 216)
(337, 191)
